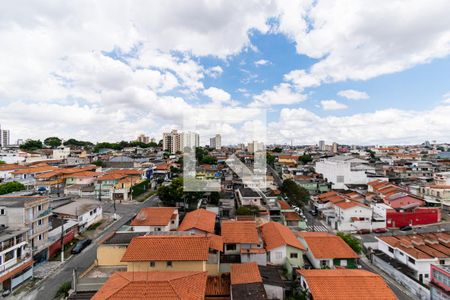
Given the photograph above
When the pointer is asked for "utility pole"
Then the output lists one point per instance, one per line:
(62, 239)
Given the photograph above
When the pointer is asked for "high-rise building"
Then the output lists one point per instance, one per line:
(172, 141)
(322, 145)
(143, 139)
(255, 147)
(335, 147)
(190, 140)
(4, 138)
(215, 142)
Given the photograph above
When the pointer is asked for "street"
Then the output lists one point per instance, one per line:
(48, 288)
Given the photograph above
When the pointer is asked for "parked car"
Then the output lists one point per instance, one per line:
(379, 230)
(363, 231)
(81, 245)
(406, 228)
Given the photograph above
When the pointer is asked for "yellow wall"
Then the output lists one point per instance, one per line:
(213, 269)
(108, 255)
(161, 266)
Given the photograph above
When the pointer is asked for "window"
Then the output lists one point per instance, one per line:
(9, 255)
(411, 260)
(442, 261)
(323, 263)
(40, 237)
(340, 179)
(231, 247)
(152, 264)
(2, 212)
(169, 264)
(39, 207)
(294, 255)
(391, 249)
(40, 222)
(157, 229)
(427, 275)
(172, 222)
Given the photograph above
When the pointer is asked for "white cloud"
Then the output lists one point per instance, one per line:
(388, 126)
(262, 62)
(347, 39)
(215, 71)
(446, 98)
(353, 94)
(280, 94)
(332, 105)
(217, 95)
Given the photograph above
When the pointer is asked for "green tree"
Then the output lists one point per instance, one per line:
(2, 162)
(11, 187)
(76, 143)
(31, 145)
(173, 193)
(297, 195)
(247, 210)
(353, 242)
(305, 159)
(53, 141)
(277, 150)
(270, 159)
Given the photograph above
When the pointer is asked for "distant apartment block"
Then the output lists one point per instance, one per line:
(143, 139)
(215, 142)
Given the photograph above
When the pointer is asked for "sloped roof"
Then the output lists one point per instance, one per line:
(153, 285)
(245, 273)
(325, 245)
(239, 232)
(153, 216)
(346, 284)
(165, 248)
(275, 235)
(199, 219)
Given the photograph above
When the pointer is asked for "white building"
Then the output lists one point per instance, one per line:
(151, 219)
(143, 139)
(351, 216)
(4, 138)
(342, 170)
(85, 211)
(173, 141)
(255, 146)
(442, 178)
(322, 145)
(191, 140)
(215, 142)
(61, 152)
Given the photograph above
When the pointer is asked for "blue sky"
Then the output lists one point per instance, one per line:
(123, 69)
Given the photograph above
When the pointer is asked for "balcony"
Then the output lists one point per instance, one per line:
(15, 262)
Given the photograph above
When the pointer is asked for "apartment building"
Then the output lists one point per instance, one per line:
(215, 142)
(16, 263)
(32, 213)
(175, 141)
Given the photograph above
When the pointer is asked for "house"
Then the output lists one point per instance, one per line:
(417, 252)
(351, 216)
(248, 196)
(273, 282)
(281, 245)
(199, 221)
(31, 212)
(172, 253)
(344, 284)
(156, 219)
(85, 211)
(6, 171)
(26, 176)
(154, 285)
(246, 282)
(113, 247)
(16, 263)
(239, 235)
(104, 187)
(327, 250)
(75, 183)
(440, 282)
(412, 215)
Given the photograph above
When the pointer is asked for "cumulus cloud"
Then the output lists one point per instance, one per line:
(280, 94)
(332, 105)
(353, 94)
(217, 95)
(446, 98)
(262, 62)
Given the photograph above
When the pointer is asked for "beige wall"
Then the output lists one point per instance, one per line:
(110, 255)
(161, 266)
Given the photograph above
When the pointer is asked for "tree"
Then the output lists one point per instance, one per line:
(277, 150)
(2, 162)
(353, 242)
(31, 145)
(11, 187)
(173, 193)
(76, 143)
(247, 210)
(305, 159)
(297, 195)
(270, 159)
(53, 141)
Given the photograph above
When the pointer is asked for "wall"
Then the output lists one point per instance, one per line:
(260, 259)
(274, 292)
(56, 246)
(161, 266)
(150, 228)
(414, 287)
(277, 256)
(420, 216)
(297, 261)
(110, 255)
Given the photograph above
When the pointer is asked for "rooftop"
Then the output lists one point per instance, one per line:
(199, 219)
(153, 216)
(325, 245)
(239, 232)
(276, 235)
(245, 273)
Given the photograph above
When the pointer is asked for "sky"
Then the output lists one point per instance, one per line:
(348, 71)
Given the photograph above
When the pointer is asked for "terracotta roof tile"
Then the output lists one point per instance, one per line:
(153, 216)
(199, 219)
(153, 285)
(239, 232)
(164, 248)
(328, 246)
(245, 273)
(291, 216)
(284, 204)
(276, 235)
(346, 284)
(215, 242)
(349, 204)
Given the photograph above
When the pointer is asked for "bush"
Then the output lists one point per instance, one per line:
(63, 290)
(11, 187)
(247, 210)
(353, 242)
(139, 188)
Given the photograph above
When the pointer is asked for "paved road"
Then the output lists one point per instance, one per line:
(82, 261)
(275, 175)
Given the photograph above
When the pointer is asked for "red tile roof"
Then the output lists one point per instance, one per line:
(284, 204)
(325, 245)
(153, 216)
(276, 235)
(111, 176)
(346, 284)
(200, 219)
(239, 232)
(153, 285)
(245, 273)
(167, 248)
(291, 216)
(348, 204)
